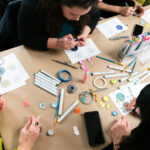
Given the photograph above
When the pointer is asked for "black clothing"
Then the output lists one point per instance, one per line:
(8, 26)
(30, 30)
(3, 4)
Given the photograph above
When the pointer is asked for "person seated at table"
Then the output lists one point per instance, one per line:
(109, 8)
(138, 139)
(46, 24)
(28, 134)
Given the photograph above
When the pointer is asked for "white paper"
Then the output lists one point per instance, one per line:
(84, 52)
(111, 27)
(146, 16)
(129, 93)
(14, 75)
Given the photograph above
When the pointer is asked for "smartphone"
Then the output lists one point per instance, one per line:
(138, 29)
(94, 128)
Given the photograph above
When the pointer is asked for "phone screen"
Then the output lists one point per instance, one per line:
(138, 29)
(94, 128)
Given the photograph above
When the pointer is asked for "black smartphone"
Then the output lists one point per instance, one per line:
(138, 29)
(94, 128)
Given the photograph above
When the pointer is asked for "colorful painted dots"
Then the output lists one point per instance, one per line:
(113, 81)
(105, 98)
(114, 113)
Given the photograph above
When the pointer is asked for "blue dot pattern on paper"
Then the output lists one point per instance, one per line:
(120, 96)
(119, 27)
(2, 70)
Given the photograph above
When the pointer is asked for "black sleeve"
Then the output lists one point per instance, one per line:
(30, 30)
(94, 15)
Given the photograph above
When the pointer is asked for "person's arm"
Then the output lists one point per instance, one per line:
(122, 10)
(66, 42)
(28, 134)
(118, 130)
(88, 29)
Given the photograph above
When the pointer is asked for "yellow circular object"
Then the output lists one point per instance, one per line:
(105, 98)
(113, 81)
(101, 104)
(108, 106)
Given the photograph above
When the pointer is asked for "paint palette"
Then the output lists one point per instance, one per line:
(12, 74)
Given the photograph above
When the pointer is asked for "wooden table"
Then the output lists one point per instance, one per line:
(15, 115)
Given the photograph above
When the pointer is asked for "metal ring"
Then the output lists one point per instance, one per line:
(83, 94)
(97, 86)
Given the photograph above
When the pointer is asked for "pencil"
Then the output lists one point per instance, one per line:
(112, 61)
(130, 64)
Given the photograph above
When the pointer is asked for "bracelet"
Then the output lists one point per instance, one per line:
(97, 86)
(62, 79)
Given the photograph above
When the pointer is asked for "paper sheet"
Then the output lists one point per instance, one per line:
(122, 96)
(84, 52)
(111, 27)
(146, 16)
(14, 75)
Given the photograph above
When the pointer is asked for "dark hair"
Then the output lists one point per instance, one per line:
(53, 19)
(140, 136)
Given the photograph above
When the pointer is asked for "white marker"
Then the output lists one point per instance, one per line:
(128, 84)
(125, 78)
(102, 73)
(45, 81)
(61, 102)
(118, 68)
(44, 72)
(133, 74)
(46, 89)
(55, 89)
(138, 76)
(141, 79)
(65, 114)
(116, 75)
(46, 77)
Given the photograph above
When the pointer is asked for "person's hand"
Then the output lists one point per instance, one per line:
(82, 40)
(139, 10)
(28, 134)
(2, 103)
(127, 11)
(83, 36)
(119, 129)
(67, 42)
(131, 106)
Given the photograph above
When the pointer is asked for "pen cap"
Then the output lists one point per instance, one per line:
(86, 71)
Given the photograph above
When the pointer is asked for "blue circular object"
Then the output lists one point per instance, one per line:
(54, 104)
(114, 113)
(120, 96)
(119, 27)
(83, 99)
(42, 105)
(2, 70)
(75, 48)
(62, 79)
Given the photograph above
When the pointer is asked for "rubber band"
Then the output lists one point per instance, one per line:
(97, 86)
(62, 79)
